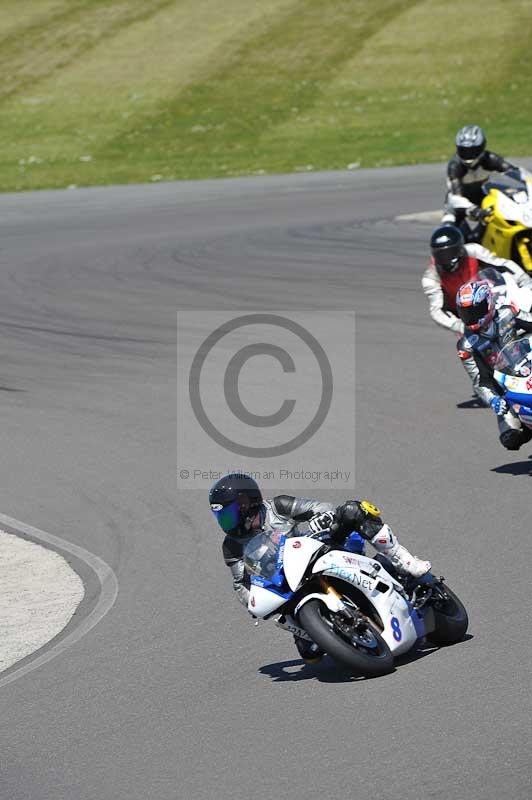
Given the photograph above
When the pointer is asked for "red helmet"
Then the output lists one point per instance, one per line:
(475, 305)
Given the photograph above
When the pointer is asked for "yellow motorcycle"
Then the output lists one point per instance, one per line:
(507, 216)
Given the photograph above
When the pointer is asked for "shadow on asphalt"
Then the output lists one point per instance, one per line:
(473, 403)
(427, 649)
(327, 671)
(515, 468)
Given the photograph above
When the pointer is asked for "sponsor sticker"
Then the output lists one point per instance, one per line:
(351, 560)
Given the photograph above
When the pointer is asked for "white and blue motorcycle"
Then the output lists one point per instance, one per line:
(357, 609)
(513, 371)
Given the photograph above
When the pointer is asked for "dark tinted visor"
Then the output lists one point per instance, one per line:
(470, 315)
(228, 517)
(470, 153)
(448, 257)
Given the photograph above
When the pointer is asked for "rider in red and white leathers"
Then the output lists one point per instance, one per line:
(454, 263)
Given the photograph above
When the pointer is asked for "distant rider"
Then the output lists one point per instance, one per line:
(453, 263)
(467, 171)
(489, 326)
(241, 512)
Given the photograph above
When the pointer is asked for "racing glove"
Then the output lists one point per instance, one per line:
(474, 213)
(321, 522)
(499, 405)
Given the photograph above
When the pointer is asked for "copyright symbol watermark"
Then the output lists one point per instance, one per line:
(231, 390)
(273, 390)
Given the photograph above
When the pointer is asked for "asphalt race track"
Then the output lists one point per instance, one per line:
(175, 694)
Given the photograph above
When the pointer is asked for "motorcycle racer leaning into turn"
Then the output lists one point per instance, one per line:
(490, 323)
(240, 510)
(454, 263)
(467, 171)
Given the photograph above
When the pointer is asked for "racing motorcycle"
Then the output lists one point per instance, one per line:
(513, 371)
(506, 212)
(356, 608)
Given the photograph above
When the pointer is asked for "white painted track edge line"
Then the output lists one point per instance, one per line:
(108, 594)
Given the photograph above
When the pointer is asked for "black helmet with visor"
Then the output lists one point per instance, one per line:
(235, 500)
(447, 246)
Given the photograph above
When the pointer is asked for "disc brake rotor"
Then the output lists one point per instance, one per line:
(356, 630)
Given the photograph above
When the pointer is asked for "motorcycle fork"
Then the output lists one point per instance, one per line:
(329, 589)
(353, 615)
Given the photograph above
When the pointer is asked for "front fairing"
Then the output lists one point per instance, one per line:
(277, 565)
(510, 198)
(265, 597)
(263, 560)
(298, 551)
(402, 626)
(513, 371)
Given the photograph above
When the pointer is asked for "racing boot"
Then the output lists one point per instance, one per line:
(385, 542)
(309, 651)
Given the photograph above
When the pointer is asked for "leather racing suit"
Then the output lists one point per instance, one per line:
(441, 289)
(283, 512)
(464, 188)
(478, 352)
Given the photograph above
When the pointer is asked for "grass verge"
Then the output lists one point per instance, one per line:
(96, 92)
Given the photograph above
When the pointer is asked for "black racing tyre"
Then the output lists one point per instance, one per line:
(451, 619)
(369, 659)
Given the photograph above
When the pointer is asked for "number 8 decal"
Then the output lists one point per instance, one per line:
(396, 628)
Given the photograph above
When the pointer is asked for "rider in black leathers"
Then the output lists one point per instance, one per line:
(467, 171)
(241, 512)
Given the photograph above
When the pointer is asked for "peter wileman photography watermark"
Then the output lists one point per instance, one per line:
(269, 393)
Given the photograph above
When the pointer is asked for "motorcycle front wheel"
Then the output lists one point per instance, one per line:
(450, 617)
(362, 650)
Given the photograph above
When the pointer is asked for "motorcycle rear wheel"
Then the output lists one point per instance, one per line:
(451, 620)
(370, 660)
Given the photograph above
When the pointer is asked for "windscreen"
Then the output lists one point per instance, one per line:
(510, 183)
(516, 358)
(262, 554)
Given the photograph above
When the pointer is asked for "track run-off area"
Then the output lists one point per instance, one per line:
(175, 693)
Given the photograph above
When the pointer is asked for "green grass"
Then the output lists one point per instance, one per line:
(118, 91)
